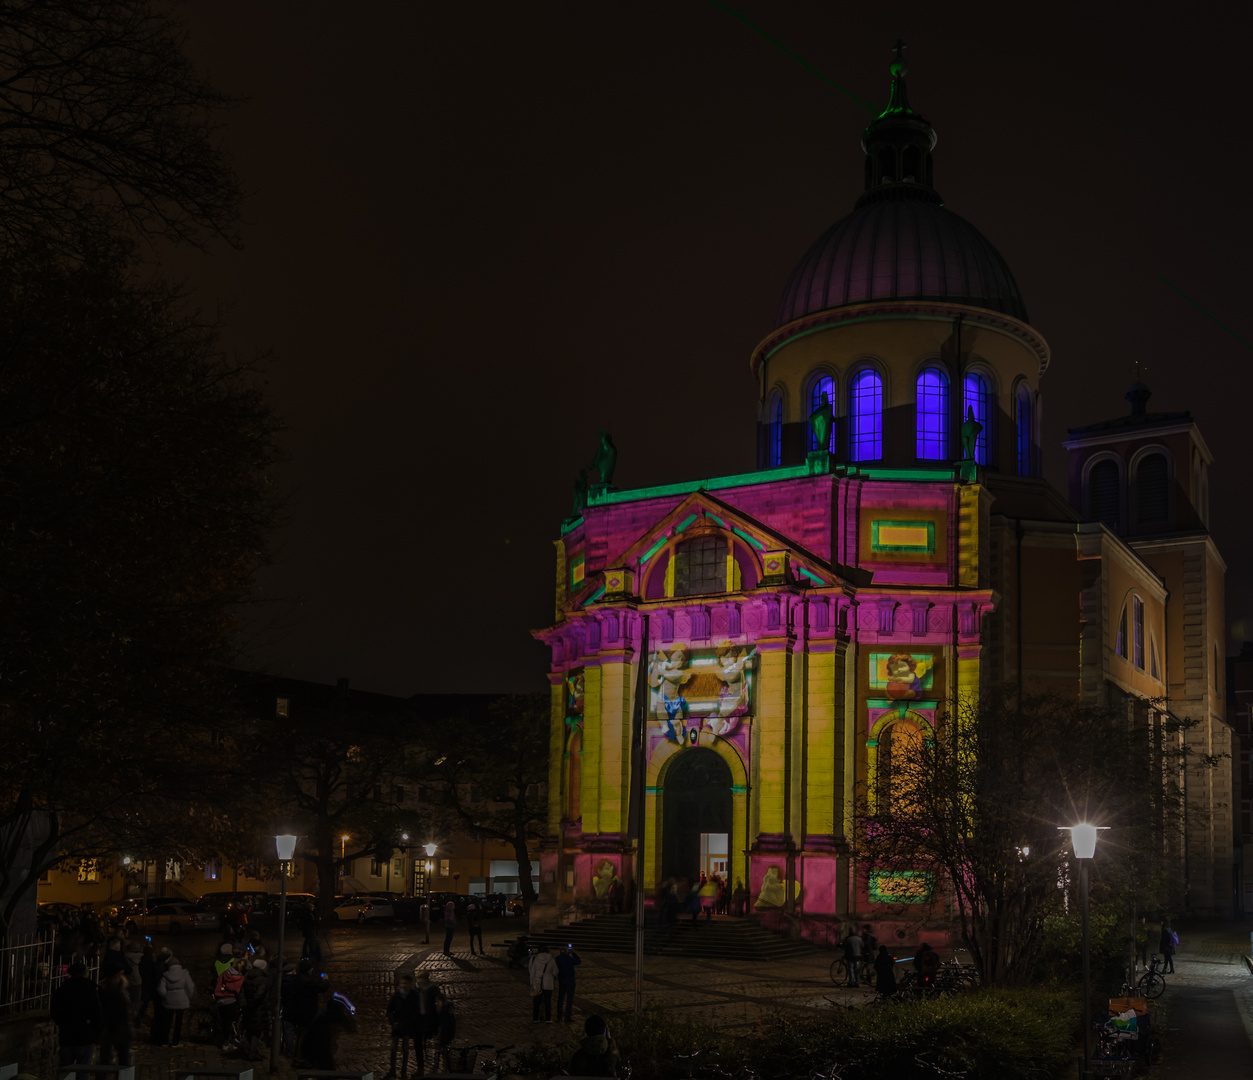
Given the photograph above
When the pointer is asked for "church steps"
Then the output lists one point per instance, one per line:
(722, 938)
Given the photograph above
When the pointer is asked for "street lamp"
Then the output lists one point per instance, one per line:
(1083, 841)
(285, 845)
(430, 867)
(343, 848)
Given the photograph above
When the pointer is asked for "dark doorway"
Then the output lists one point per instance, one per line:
(696, 822)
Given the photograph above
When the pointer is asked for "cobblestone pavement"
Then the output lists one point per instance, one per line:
(494, 1004)
(1207, 1009)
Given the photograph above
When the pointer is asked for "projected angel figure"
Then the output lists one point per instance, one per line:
(668, 675)
(732, 662)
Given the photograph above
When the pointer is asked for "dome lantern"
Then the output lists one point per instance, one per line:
(898, 142)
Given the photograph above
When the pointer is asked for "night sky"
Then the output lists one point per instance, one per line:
(479, 232)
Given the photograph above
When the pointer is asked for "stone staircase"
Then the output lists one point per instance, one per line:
(721, 938)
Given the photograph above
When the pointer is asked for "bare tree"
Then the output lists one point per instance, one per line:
(105, 127)
(137, 503)
(490, 777)
(971, 812)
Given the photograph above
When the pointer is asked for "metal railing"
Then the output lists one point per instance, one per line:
(30, 972)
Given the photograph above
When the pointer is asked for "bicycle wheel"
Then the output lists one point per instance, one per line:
(1151, 985)
(839, 973)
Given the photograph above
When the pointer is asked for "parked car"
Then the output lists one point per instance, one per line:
(54, 913)
(494, 903)
(172, 919)
(363, 908)
(517, 906)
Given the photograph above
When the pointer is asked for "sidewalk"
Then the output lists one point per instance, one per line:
(1207, 1010)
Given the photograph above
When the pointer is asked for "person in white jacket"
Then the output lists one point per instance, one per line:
(176, 991)
(543, 971)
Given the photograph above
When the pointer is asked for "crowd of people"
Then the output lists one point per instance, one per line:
(707, 895)
(141, 985)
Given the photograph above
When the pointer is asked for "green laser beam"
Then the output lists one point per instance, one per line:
(799, 59)
(1205, 313)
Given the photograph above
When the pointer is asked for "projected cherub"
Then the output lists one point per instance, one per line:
(668, 675)
(732, 662)
(903, 681)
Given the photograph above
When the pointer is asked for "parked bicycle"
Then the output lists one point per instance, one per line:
(1152, 984)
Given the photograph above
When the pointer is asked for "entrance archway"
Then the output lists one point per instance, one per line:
(697, 815)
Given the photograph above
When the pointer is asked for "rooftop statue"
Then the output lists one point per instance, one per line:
(606, 458)
(970, 434)
(821, 421)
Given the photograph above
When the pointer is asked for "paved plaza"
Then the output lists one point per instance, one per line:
(1207, 1009)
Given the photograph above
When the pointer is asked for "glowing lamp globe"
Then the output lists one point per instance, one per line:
(286, 847)
(430, 850)
(1083, 840)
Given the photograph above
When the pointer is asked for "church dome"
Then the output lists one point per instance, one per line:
(899, 246)
(900, 243)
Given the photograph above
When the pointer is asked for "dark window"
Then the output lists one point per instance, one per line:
(776, 433)
(1152, 493)
(1137, 610)
(1023, 418)
(1104, 497)
(398, 794)
(700, 566)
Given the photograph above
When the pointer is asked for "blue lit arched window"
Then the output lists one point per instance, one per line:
(1022, 418)
(975, 397)
(774, 445)
(932, 415)
(822, 385)
(865, 416)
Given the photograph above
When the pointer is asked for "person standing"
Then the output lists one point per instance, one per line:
(885, 972)
(926, 963)
(852, 956)
(1166, 946)
(474, 925)
(543, 972)
(450, 926)
(426, 1023)
(566, 963)
(118, 1034)
(75, 1009)
(402, 1015)
(176, 990)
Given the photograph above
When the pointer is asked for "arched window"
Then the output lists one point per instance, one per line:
(900, 769)
(700, 566)
(1152, 493)
(1137, 632)
(1130, 642)
(975, 397)
(865, 416)
(931, 412)
(1023, 416)
(1105, 494)
(774, 436)
(824, 384)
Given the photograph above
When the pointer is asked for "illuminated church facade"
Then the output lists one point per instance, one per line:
(896, 549)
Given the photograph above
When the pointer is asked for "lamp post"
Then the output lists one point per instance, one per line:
(430, 867)
(1083, 842)
(343, 850)
(286, 847)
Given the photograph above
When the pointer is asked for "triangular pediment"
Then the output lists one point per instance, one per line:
(702, 510)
